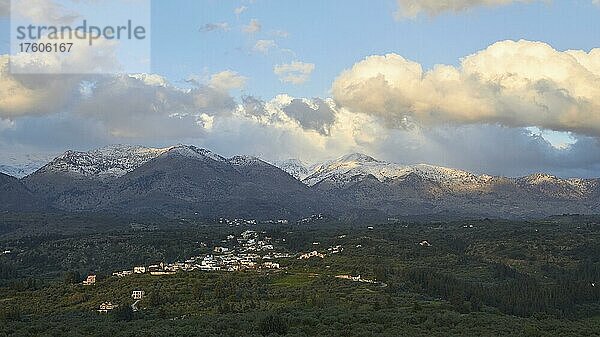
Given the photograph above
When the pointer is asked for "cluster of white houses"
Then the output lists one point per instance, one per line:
(248, 251)
(237, 222)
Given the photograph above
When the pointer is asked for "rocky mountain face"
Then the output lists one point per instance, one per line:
(181, 180)
(185, 180)
(294, 167)
(398, 190)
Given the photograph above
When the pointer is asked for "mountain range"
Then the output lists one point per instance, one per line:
(189, 181)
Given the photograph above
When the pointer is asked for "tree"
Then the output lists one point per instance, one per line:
(273, 323)
(72, 277)
(123, 313)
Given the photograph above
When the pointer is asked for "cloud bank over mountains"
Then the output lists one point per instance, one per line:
(471, 116)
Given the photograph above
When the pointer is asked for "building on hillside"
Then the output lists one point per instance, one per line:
(138, 294)
(107, 306)
(425, 243)
(90, 280)
(314, 253)
(221, 250)
(123, 273)
(139, 270)
(271, 265)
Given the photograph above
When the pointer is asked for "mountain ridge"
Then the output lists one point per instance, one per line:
(185, 179)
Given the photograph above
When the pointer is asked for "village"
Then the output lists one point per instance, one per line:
(250, 250)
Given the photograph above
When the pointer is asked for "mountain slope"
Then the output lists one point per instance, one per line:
(293, 167)
(177, 181)
(14, 196)
(185, 180)
(399, 190)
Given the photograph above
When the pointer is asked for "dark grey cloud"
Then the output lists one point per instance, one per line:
(313, 115)
(493, 150)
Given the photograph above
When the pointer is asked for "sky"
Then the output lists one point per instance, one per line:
(503, 87)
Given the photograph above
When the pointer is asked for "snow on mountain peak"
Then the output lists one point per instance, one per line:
(245, 161)
(117, 160)
(357, 157)
(193, 152)
(293, 167)
(355, 165)
(111, 161)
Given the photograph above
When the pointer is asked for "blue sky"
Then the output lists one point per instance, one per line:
(314, 80)
(336, 34)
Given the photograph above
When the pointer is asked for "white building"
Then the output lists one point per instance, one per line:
(107, 306)
(138, 294)
(314, 253)
(90, 280)
(271, 265)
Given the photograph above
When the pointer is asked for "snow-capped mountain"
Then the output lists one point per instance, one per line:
(174, 180)
(183, 179)
(357, 166)
(19, 166)
(294, 167)
(19, 171)
(353, 168)
(118, 160)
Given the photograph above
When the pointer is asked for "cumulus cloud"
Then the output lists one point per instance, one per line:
(137, 106)
(253, 27)
(227, 80)
(33, 94)
(134, 107)
(315, 114)
(211, 27)
(516, 84)
(145, 109)
(413, 8)
(264, 46)
(41, 11)
(33, 84)
(295, 72)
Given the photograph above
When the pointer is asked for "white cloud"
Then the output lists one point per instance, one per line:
(295, 72)
(239, 10)
(211, 27)
(41, 11)
(22, 95)
(309, 114)
(32, 84)
(253, 27)
(140, 107)
(264, 46)
(227, 80)
(517, 84)
(413, 8)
